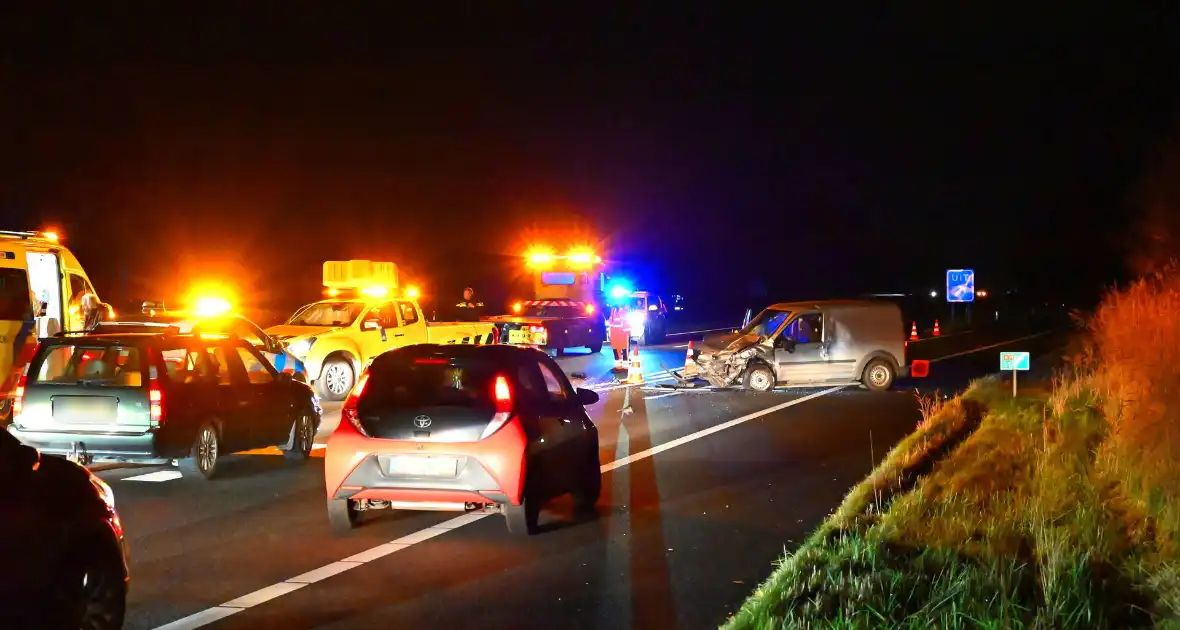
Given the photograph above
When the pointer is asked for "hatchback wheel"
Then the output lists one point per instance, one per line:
(343, 515)
(205, 453)
(302, 438)
(522, 519)
(589, 478)
(91, 592)
(104, 598)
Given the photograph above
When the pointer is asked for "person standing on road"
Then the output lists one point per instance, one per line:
(620, 336)
(470, 309)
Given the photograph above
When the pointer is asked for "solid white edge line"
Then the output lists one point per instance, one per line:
(619, 463)
(268, 593)
(203, 618)
(324, 572)
(994, 345)
(263, 595)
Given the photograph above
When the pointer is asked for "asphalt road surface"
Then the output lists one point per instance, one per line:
(702, 491)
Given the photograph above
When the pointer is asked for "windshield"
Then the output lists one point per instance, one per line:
(328, 314)
(554, 311)
(766, 322)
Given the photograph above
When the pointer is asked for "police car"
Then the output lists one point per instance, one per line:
(213, 316)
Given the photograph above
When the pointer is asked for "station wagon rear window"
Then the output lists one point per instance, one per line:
(100, 366)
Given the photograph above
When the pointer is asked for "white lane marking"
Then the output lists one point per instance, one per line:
(210, 615)
(264, 595)
(159, 475)
(647, 398)
(324, 572)
(619, 463)
(994, 345)
(205, 617)
(682, 345)
(268, 593)
(380, 551)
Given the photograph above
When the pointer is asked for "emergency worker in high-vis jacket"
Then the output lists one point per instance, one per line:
(620, 335)
(469, 309)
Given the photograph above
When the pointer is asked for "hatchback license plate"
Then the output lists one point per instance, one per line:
(420, 466)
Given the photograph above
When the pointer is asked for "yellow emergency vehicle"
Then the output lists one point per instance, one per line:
(564, 310)
(41, 289)
(365, 314)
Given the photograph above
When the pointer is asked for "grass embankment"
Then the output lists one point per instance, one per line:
(1057, 509)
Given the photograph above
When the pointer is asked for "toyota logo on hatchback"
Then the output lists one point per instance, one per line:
(422, 421)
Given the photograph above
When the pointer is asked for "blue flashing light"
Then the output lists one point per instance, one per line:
(619, 291)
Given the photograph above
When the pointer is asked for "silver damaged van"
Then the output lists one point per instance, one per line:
(802, 344)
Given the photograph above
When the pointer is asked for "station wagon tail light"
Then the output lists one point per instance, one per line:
(502, 394)
(18, 398)
(155, 403)
(349, 412)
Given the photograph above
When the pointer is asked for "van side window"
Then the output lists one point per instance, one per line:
(807, 328)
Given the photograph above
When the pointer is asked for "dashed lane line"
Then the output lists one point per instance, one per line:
(273, 591)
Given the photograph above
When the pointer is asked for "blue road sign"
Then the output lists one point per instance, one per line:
(960, 285)
(1010, 361)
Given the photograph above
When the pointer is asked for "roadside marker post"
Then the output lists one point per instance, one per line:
(1016, 362)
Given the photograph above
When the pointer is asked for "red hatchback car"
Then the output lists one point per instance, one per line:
(457, 427)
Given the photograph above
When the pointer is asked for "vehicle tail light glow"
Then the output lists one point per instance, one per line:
(502, 394)
(429, 361)
(536, 329)
(349, 412)
(18, 397)
(155, 403)
(589, 309)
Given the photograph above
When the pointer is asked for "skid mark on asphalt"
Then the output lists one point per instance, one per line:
(268, 593)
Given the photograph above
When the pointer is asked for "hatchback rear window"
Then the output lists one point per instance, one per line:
(100, 365)
(431, 382)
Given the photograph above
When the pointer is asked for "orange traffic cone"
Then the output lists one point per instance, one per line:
(936, 328)
(635, 370)
(914, 332)
(691, 368)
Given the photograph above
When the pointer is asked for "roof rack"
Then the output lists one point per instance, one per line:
(107, 328)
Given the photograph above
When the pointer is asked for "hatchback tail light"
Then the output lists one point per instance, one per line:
(502, 394)
(349, 412)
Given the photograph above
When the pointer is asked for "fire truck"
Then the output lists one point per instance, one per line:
(564, 312)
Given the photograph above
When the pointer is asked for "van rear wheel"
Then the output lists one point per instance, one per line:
(878, 375)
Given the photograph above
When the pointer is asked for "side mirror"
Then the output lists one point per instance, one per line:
(370, 324)
(586, 397)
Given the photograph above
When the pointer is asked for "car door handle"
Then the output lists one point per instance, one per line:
(400, 335)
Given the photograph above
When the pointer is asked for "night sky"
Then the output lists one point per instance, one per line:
(825, 154)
